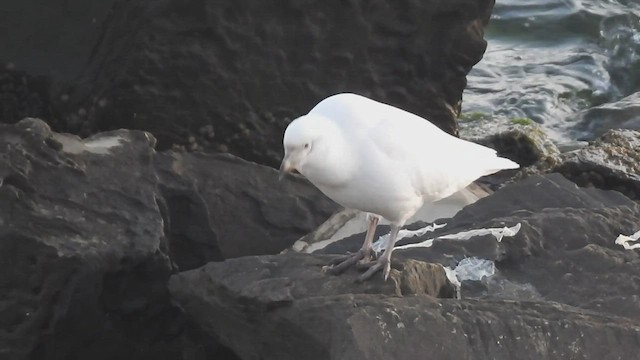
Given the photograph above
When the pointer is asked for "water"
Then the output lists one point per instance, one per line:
(548, 60)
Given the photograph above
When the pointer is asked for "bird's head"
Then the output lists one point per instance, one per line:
(299, 140)
(314, 145)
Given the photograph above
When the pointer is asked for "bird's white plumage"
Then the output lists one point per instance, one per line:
(377, 158)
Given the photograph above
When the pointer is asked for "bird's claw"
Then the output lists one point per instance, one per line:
(375, 266)
(339, 265)
(339, 259)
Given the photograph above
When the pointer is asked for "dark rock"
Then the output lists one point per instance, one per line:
(521, 140)
(45, 48)
(51, 38)
(83, 256)
(221, 207)
(267, 281)
(91, 229)
(566, 241)
(23, 95)
(536, 193)
(562, 289)
(362, 326)
(235, 73)
(249, 291)
(610, 162)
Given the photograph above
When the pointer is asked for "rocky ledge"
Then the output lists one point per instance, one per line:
(90, 231)
(111, 250)
(557, 288)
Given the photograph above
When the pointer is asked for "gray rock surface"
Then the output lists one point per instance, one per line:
(610, 162)
(228, 76)
(521, 140)
(91, 229)
(562, 289)
(220, 207)
(82, 247)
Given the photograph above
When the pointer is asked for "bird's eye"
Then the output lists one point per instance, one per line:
(306, 146)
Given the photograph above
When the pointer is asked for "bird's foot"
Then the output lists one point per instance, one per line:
(340, 264)
(373, 267)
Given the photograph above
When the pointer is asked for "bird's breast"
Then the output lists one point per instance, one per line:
(395, 201)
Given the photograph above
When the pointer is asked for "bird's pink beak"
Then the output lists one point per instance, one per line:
(285, 167)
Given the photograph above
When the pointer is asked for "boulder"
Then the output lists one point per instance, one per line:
(561, 288)
(83, 254)
(220, 206)
(227, 76)
(521, 139)
(91, 229)
(610, 162)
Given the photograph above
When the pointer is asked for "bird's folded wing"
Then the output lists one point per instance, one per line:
(437, 163)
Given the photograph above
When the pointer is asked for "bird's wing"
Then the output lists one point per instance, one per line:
(437, 162)
(403, 135)
(351, 112)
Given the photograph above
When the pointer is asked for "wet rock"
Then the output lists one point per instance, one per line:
(562, 288)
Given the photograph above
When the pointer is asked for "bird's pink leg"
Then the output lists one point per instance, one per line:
(384, 261)
(364, 254)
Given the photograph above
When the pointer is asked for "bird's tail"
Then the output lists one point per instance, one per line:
(508, 164)
(500, 163)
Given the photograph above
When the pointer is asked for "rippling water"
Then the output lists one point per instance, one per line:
(550, 59)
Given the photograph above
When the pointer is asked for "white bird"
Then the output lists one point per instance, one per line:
(385, 161)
